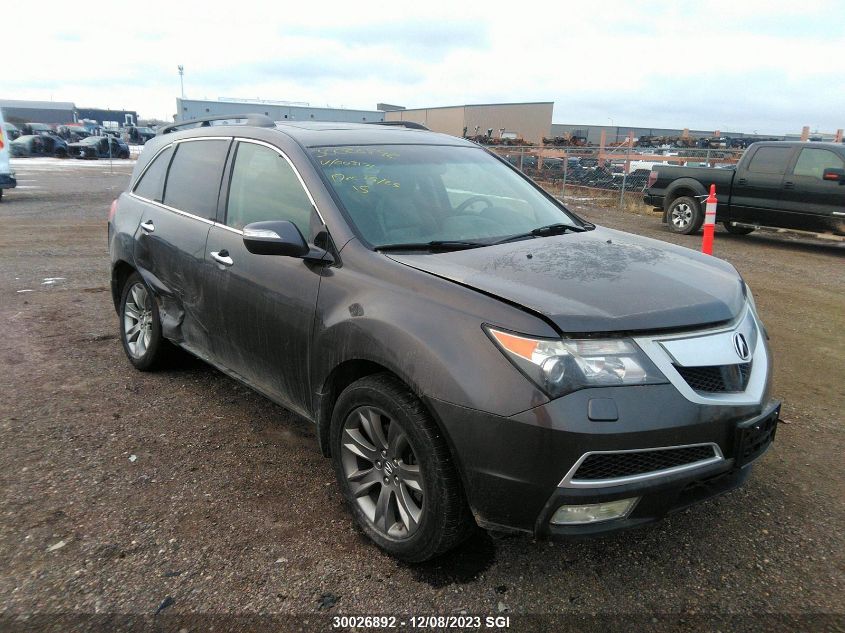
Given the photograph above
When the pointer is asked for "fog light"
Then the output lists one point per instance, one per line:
(594, 512)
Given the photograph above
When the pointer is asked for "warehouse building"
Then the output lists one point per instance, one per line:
(189, 109)
(58, 112)
(108, 118)
(618, 133)
(529, 121)
(17, 111)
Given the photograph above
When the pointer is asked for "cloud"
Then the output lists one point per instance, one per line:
(406, 38)
(716, 63)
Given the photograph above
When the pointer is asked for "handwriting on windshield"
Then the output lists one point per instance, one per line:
(325, 152)
(364, 184)
(337, 162)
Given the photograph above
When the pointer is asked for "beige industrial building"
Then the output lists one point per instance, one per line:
(529, 121)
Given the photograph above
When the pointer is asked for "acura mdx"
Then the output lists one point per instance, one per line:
(470, 351)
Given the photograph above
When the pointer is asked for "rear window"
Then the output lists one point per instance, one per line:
(770, 160)
(149, 186)
(813, 162)
(193, 180)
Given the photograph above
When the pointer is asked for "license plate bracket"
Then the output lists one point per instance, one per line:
(753, 437)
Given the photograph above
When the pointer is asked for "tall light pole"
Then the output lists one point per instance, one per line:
(182, 79)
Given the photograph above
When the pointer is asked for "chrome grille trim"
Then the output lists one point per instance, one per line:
(569, 480)
(655, 347)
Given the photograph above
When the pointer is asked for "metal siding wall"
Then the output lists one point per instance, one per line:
(196, 109)
(532, 121)
(37, 115)
(619, 133)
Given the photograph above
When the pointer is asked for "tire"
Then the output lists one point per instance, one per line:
(387, 449)
(154, 348)
(684, 216)
(735, 229)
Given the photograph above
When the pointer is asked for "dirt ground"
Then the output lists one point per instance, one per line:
(185, 492)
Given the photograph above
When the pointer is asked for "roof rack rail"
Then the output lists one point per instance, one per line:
(411, 125)
(255, 120)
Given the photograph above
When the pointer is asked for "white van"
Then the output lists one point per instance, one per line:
(7, 176)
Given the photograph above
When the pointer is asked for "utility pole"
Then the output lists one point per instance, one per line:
(182, 79)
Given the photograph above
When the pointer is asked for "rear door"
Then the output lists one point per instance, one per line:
(756, 191)
(263, 305)
(809, 202)
(171, 237)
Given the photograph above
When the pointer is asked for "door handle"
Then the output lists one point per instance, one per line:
(742, 181)
(148, 226)
(222, 257)
(789, 185)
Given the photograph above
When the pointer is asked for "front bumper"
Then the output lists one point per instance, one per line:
(513, 468)
(7, 181)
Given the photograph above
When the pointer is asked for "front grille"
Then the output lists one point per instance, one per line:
(616, 465)
(717, 378)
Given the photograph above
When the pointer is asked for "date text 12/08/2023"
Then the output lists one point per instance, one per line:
(438, 622)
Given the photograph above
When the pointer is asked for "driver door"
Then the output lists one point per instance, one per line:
(263, 306)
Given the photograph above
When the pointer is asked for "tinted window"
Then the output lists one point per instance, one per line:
(193, 180)
(770, 160)
(264, 187)
(813, 162)
(149, 186)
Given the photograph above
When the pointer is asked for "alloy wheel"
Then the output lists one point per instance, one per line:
(382, 472)
(138, 320)
(682, 215)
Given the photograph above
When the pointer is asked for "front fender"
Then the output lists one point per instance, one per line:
(425, 329)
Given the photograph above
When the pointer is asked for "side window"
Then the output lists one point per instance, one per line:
(264, 187)
(193, 180)
(770, 160)
(149, 186)
(813, 162)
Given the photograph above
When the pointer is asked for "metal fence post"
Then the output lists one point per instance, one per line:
(565, 169)
(622, 190)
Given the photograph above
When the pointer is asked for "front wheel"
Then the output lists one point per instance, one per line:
(737, 229)
(684, 215)
(395, 470)
(140, 326)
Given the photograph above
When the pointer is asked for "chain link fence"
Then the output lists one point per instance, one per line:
(606, 176)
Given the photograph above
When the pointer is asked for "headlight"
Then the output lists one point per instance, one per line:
(561, 366)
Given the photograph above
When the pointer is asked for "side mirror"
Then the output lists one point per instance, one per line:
(834, 174)
(275, 238)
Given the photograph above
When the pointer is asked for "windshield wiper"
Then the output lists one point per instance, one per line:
(434, 245)
(544, 231)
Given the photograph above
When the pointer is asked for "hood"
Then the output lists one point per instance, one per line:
(599, 281)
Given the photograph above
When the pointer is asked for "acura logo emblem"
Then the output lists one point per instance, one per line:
(741, 346)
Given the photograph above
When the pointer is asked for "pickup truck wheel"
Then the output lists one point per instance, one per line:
(685, 216)
(736, 229)
(395, 470)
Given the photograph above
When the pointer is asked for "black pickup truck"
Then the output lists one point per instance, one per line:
(785, 184)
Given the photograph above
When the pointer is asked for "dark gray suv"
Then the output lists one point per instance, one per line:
(470, 351)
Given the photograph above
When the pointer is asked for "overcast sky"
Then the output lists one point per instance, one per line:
(732, 65)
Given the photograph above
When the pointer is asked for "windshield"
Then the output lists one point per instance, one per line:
(413, 194)
(92, 140)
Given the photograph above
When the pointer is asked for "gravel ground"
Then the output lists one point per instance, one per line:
(184, 492)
